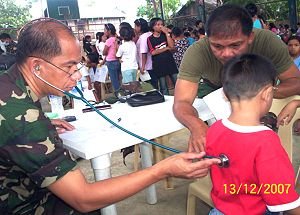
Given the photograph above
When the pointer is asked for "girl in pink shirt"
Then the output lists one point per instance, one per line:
(112, 62)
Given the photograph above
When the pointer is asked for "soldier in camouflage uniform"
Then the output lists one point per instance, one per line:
(38, 176)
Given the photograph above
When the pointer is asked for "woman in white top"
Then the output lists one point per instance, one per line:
(127, 54)
(95, 71)
(144, 56)
(100, 43)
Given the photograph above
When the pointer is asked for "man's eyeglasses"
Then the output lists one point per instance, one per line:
(72, 74)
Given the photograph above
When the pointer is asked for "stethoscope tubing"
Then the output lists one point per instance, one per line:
(82, 98)
(224, 159)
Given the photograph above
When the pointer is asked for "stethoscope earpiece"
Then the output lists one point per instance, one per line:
(37, 68)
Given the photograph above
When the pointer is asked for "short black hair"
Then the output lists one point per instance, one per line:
(99, 36)
(170, 26)
(126, 33)
(86, 38)
(110, 27)
(176, 31)
(153, 22)
(294, 38)
(125, 24)
(143, 24)
(43, 36)
(252, 9)
(190, 29)
(228, 20)
(93, 57)
(198, 22)
(201, 31)
(272, 25)
(186, 34)
(4, 36)
(245, 75)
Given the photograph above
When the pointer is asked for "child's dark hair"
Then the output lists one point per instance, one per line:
(186, 34)
(201, 31)
(94, 58)
(86, 38)
(176, 31)
(170, 26)
(126, 33)
(125, 24)
(153, 22)
(110, 27)
(294, 38)
(251, 9)
(4, 36)
(198, 22)
(245, 75)
(99, 36)
(143, 24)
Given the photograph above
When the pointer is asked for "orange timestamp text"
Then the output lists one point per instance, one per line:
(256, 189)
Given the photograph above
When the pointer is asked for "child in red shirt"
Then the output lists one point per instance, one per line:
(260, 176)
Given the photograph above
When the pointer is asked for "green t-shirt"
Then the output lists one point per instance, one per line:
(199, 61)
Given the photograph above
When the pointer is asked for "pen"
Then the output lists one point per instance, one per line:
(102, 107)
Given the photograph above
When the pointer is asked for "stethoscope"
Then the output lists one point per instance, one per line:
(223, 158)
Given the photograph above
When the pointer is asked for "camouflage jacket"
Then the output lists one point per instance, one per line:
(31, 153)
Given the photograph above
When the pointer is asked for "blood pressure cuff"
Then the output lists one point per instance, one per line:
(270, 120)
(145, 98)
(6, 61)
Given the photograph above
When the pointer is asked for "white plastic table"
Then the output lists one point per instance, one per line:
(94, 138)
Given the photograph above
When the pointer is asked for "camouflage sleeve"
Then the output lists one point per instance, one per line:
(30, 142)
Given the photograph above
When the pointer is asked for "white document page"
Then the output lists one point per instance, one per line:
(218, 104)
(103, 74)
(145, 76)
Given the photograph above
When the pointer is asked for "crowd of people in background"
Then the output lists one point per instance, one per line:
(147, 47)
(151, 47)
(157, 48)
(163, 51)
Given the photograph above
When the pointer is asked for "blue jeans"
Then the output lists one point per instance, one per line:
(163, 87)
(114, 70)
(129, 75)
(215, 211)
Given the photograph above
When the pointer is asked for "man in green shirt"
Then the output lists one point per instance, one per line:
(229, 33)
(37, 175)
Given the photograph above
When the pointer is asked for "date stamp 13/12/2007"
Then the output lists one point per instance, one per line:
(256, 189)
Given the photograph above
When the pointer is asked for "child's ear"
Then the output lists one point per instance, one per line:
(267, 93)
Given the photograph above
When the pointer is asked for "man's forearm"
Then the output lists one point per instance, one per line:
(103, 193)
(287, 88)
(188, 116)
(159, 51)
(111, 190)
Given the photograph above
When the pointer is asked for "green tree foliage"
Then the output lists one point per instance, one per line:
(275, 10)
(152, 7)
(12, 15)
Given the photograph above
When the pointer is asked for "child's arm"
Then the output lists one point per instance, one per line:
(288, 112)
(119, 52)
(170, 41)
